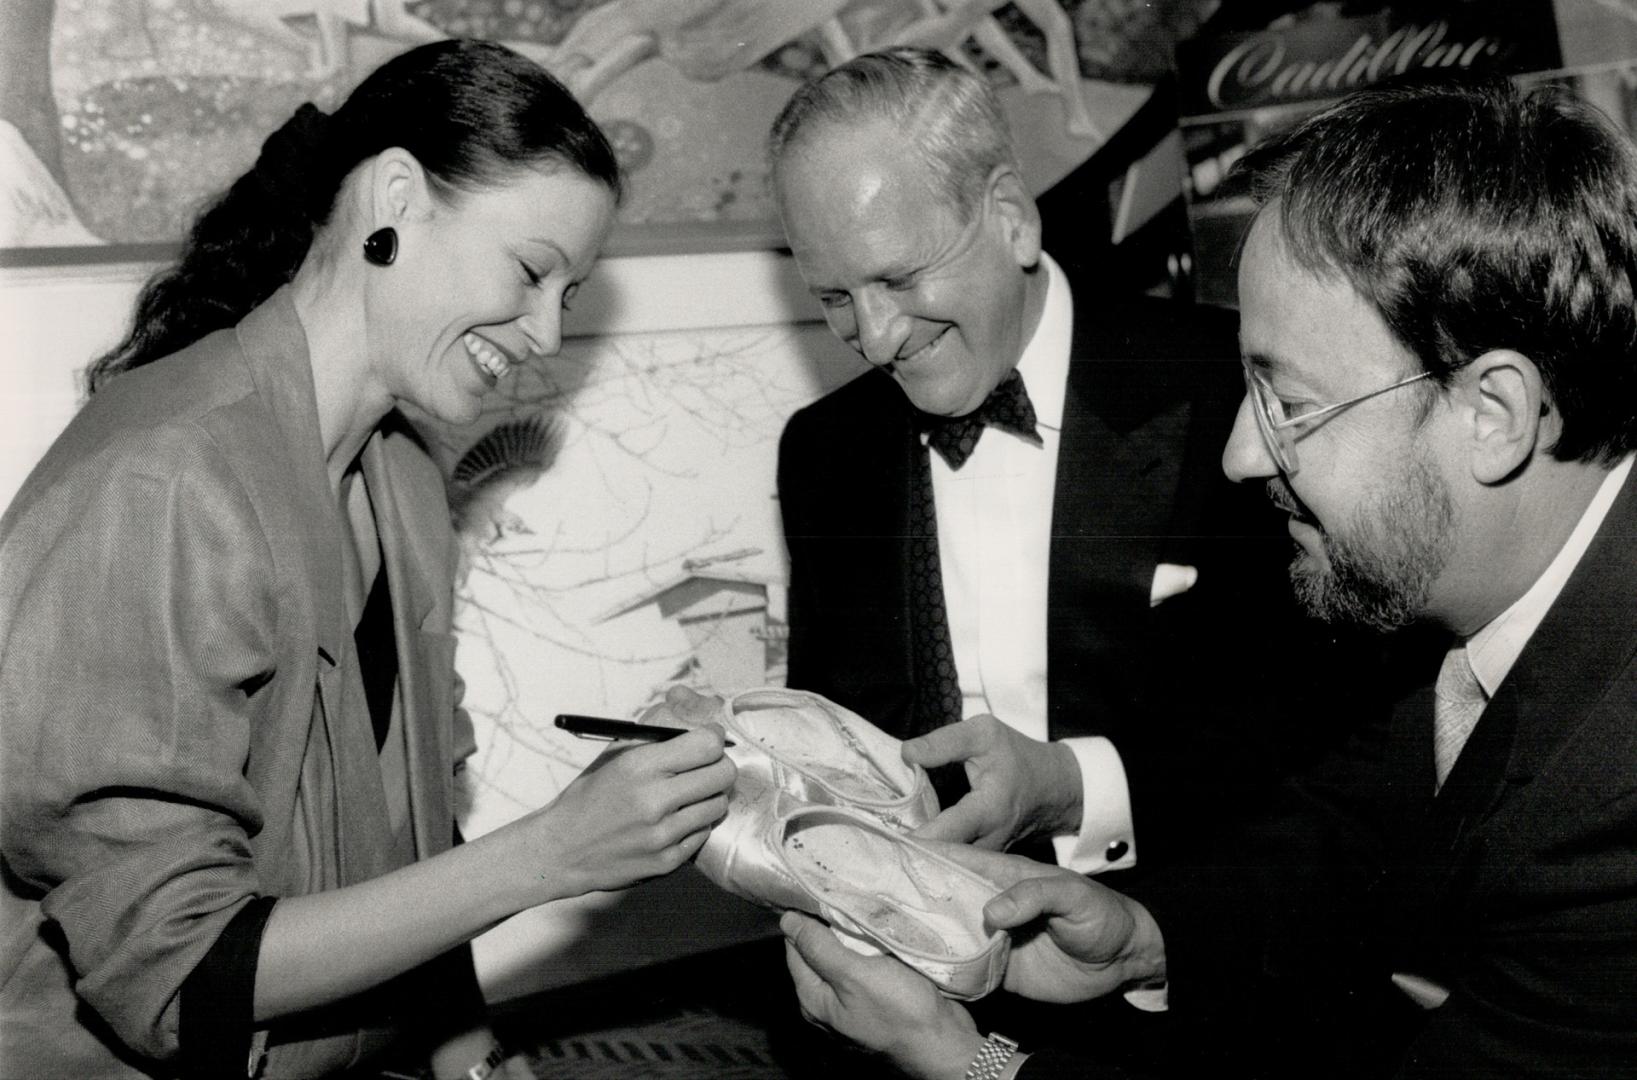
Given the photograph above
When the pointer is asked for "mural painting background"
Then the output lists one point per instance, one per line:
(117, 117)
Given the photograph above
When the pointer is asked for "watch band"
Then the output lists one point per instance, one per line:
(484, 1069)
(992, 1058)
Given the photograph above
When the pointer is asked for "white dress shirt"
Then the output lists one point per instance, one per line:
(994, 543)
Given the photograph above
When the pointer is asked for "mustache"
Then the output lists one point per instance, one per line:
(1284, 497)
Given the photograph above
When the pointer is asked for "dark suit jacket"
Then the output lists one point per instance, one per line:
(1515, 888)
(1152, 391)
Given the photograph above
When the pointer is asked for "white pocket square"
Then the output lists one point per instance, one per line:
(1424, 992)
(1171, 579)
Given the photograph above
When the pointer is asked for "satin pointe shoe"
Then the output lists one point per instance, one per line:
(817, 820)
(819, 753)
(879, 889)
(793, 749)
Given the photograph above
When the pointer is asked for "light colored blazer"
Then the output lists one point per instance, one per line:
(182, 718)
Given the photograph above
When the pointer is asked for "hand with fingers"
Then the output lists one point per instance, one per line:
(877, 1002)
(1072, 938)
(1021, 787)
(638, 811)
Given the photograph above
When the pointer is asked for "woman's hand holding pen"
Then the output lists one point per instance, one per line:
(640, 810)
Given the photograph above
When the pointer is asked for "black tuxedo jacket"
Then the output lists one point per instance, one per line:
(1515, 887)
(1152, 391)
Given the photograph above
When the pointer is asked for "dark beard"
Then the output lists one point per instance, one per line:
(1381, 572)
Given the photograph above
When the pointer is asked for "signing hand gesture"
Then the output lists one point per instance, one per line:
(640, 810)
(1021, 787)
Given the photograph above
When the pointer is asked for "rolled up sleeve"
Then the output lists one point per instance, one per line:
(134, 612)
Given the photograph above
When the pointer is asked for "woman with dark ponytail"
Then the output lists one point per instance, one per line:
(231, 722)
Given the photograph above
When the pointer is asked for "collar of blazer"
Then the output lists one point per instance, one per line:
(1564, 710)
(417, 552)
(274, 349)
(1580, 657)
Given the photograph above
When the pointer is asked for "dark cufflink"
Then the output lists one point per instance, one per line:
(1116, 851)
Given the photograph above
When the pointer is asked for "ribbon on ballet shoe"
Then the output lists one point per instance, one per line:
(826, 755)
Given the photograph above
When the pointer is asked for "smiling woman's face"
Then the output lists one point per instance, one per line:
(480, 286)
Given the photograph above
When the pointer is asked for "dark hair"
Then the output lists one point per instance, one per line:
(949, 115)
(471, 112)
(1477, 215)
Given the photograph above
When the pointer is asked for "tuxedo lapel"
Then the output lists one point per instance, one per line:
(898, 453)
(1115, 490)
(1111, 507)
(857, 505)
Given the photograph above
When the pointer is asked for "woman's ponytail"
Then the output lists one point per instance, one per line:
(470, 112)
(246, 245)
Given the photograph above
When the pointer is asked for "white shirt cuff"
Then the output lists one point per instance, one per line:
(1106, 840)
(1150, 998)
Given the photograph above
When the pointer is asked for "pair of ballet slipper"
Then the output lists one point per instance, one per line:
(819, 821)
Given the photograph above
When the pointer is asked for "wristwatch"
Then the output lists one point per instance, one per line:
(484, 1069)
(992, 1058)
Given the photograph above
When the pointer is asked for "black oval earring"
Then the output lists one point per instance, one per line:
(381, 246)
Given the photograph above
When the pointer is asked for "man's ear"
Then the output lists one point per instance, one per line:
(1014, 208)
(1512, 417)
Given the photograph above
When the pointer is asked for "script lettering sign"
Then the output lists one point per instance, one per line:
(1325, 58)
(1234, 90)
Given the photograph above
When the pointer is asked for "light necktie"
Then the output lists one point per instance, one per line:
(1460, 701)
(1007, 407)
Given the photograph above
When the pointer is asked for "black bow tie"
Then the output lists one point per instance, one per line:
(1007, 407)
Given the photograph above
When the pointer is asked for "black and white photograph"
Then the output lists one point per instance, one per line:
(793, 539)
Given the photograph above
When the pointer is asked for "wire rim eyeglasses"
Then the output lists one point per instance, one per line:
(1276, 427)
